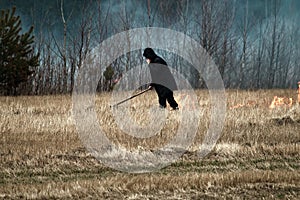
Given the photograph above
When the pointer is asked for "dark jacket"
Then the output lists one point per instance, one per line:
(160, 73)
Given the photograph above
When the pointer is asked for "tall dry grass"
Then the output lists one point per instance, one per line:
(257, 155)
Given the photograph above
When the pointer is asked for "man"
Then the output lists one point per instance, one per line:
(162, 80)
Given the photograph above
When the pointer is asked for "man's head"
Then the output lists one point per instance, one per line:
(149, 54)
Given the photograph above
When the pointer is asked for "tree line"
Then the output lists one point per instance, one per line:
(251, 50)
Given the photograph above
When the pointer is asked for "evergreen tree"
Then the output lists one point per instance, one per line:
(17, 59)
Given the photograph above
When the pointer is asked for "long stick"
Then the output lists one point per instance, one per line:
(131, 97)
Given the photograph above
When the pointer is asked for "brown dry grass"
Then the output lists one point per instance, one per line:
(257, 156)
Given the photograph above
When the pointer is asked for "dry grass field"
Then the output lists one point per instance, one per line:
(256, 157)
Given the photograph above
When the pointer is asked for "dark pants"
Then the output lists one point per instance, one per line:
(165, 94)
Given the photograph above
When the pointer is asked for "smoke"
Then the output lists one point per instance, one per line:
(45, 15)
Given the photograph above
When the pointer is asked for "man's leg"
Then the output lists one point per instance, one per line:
(171, 101)
(162, 101)
(161, 93)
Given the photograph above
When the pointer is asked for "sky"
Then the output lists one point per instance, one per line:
(45, 13)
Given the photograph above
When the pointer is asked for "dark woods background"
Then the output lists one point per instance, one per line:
(255, 43)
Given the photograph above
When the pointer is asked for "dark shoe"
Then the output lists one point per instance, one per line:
(176, 108)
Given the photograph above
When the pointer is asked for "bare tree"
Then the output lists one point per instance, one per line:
(274, 42)
(215, 20)
(245, 26)
(81, 39)
(210, 22)
(227, 22)
(259, 58)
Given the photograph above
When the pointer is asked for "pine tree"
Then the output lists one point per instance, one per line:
(17, 59)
